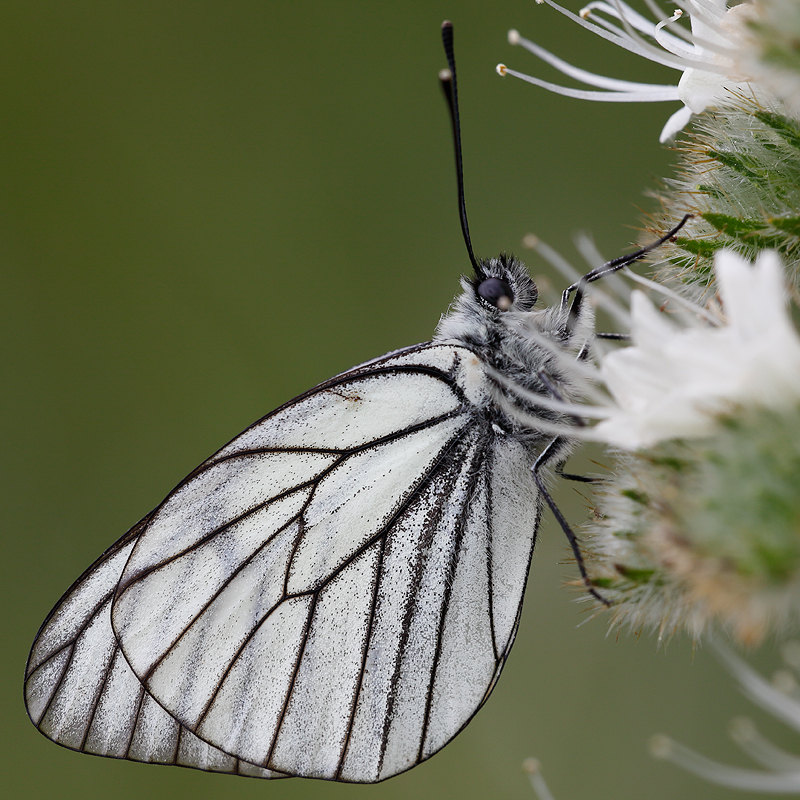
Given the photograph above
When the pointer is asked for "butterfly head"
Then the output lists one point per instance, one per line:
(496, 304)
(503, 284)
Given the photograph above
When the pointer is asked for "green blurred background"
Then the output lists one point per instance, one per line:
(208, 207)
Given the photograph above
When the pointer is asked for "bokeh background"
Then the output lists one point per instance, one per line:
(207, 208)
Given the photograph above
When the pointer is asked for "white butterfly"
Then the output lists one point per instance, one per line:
(334, 593)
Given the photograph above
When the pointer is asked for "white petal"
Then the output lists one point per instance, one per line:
(591, 78)
(675, 380)
(649, 327)
(677, 122)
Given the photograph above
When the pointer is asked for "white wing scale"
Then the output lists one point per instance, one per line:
(332, 595)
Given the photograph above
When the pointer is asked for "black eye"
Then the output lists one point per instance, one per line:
(497, 292)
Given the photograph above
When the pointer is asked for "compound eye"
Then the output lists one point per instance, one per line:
(497, 292)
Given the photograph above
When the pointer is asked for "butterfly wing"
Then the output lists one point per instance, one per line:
(334, 593)
(81, 693)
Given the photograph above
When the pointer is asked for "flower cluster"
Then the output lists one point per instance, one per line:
(701, 521)
(739, 170)
(739, 175)
(698, 525)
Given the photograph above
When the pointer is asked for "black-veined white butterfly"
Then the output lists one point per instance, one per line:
(334, 593)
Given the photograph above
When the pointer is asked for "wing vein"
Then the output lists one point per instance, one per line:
(177, 743)
(136, 717)
(454, 553)
(216, 594)
(49, 658)
(300, 652)
(98, 697)
(405, 630)
(489, 562)
(282, 599)
(239, 650)
(59, 682)
(57, 687)
(217, 531)
(413, 493)
(365, 652)
(345, 454)
(348, 451)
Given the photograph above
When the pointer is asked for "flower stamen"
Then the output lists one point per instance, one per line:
(706, 56)
(656, 91)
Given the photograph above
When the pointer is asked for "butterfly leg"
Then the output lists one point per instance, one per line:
(613, 337)
(573, 309)
(549, 384)
(559, 470)
(545, 456)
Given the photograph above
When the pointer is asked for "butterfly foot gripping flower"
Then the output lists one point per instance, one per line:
(701, 521)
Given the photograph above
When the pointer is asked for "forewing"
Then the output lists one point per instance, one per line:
(81, 693)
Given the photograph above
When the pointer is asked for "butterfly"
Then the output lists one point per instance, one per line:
(334, 593)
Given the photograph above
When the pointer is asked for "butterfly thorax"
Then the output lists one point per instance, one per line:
(524, 348)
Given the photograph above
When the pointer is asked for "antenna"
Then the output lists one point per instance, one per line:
(447, 77)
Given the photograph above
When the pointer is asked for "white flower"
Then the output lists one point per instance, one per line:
(675, 380)
(707, 56)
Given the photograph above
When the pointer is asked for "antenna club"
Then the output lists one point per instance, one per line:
(502, 69)
(513, 36)
(447, 24)
(445, 76)
(585, 12)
